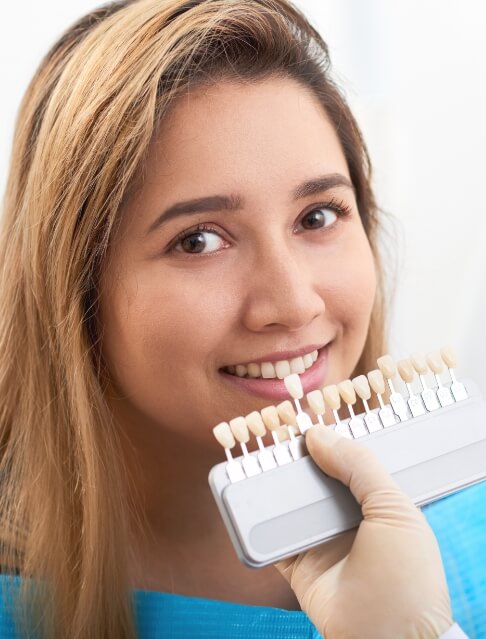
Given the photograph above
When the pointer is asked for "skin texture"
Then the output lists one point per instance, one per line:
(266, 283)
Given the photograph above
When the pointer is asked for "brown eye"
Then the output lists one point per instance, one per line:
(194, 243)
(319, 218)
(199, 241)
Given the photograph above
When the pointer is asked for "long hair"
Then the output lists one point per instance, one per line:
(82, 133)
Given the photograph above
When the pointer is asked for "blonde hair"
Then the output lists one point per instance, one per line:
(82, 132)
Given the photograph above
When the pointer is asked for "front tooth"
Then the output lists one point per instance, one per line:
(308, 361)
(282, 369)
(241, 370)
(297, 365)
(254, 370)
(268, 370)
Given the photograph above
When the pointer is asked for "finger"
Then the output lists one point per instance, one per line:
(326, 556)
(354, 465)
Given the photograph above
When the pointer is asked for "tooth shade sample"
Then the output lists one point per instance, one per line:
(270, 417)
(282, 369)
(316, 402)
(223, 435)
(294, 386)
(362, 387)
(435, 363)
(254, 370)
(419, 363)
(387, 366)
(286, 413)
(297, 365)
(268, 370)
(377, 381)
(449, 356)
(331, 396)
(406, 370)
(346, 390)
(255, 423)
(282, 433)
(239, 429)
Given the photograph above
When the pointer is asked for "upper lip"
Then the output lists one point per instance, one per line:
(277, 356)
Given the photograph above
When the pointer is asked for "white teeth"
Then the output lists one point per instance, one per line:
(297, 365)
(241, 370)
(282, 369)
(270, 370)
(308, 361)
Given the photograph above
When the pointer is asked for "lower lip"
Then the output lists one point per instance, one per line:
(275, 389)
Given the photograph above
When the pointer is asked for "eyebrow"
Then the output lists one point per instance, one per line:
(234, 202)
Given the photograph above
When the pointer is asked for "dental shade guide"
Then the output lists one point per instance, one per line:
(355, 424)
(407, 373)
(377, 383)
(449, 358)
(428, 396)
(388, 368)
(276, 502)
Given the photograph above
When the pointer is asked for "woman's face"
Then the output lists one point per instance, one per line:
(243, 245)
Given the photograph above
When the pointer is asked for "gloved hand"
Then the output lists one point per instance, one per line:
(383, 580)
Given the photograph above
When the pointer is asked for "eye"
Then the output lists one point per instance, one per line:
(319, 218)
(202, 239)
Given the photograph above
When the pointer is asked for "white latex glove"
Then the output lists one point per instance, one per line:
(383, 580)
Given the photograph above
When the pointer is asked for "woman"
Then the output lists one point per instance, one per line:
(188, 192)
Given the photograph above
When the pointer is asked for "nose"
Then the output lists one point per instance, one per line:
(283, 291)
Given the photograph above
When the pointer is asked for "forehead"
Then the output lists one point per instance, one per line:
(243, 136)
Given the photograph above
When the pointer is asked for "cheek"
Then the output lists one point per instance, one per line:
(161, 333)
(349, 303)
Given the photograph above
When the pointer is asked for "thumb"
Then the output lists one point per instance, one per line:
(357, 467)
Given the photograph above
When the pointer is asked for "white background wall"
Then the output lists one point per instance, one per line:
(414, 73)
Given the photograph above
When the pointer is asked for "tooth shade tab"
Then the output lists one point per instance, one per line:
(223, 435)
(286, 412)
(240, 430)
(406, 370)
(270, 417)
(362, 387)
(347, 392)
(294, 386)
(387, 366)
(282, 434)
(331, 396)
(448, 356)
(419, 363)
(316, 402)
(255, 423)
(377, 381)
(435, 363)
(282, 369)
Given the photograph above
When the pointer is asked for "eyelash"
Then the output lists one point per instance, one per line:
(339, 207)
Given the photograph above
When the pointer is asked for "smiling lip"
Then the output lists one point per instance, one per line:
(275, 389)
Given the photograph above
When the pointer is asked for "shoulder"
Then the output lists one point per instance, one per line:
(9, 586)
